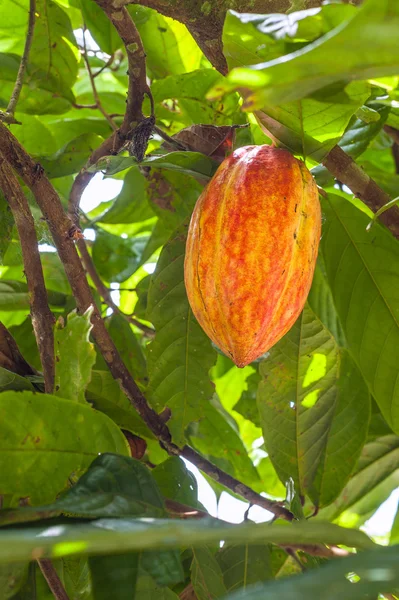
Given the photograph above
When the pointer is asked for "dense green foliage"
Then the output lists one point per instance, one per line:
(314, 424)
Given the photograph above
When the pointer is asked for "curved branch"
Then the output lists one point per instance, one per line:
(24, 60)
(42, 317)
(63, 231)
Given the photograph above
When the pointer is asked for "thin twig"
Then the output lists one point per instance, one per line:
(42, 317)
(51, 576)
(105, 292)
(105, 66)
(93, 85)
(83, 106)
(62, 231)
(137, 88)
(24, 60)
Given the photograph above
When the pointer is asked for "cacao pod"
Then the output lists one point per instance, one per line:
(251, 250)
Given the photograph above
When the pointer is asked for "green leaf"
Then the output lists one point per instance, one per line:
(131, 205)
(312, 126)
(34, 135)
(215, 437)
(77, 578)
(190, 89)
(181, 355)
(330, 59)
(160, 42)
(57, 436)
(14, 296)
(71, 157)
(114, 576)
(106, 536)
(246, 405)
(191, 163)
(46, 99)
(313, 394)
(244, 565)
(376, 476)
(54, 48)
(206, 575)
(12, 381)
(147, 589)
(12, 578)
(117, 258)
(100, 27)
(75, 356)
(104, 393)
(176, 482)
(113, 486)
(163, 565)
(394, 538)
(376, 569)
(362, 270)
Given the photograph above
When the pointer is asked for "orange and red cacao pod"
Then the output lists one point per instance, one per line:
(251, 250)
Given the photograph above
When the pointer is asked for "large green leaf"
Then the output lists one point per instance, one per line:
(377, 570)
(45, 440)
(343, 54)
(12, 381)
(14, 296)
(206, 575)
(243, 565)
(312, 126)
(12, 578)
(181, 355)
(75, 357)
(105, 536)
(313, 396)
(362, 270)
(147, 589)
(376, 476)
(160, 42)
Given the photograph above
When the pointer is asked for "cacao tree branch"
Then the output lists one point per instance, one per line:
(51, 576)
(137, 88)
(104, 291)
(344, 168)
(23, 64)
(62, 231)
(42, 317)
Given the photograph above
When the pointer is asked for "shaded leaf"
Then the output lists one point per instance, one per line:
(206, 575)
(114, 576)
(72, 157)
(361, 268)
(131, 205)
(175, 481)
(117, 258)
(244, 565)
(180, 355)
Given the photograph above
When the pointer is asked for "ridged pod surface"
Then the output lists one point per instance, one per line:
(251, 250)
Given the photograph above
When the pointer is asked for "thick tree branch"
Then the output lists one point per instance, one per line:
(24, 61)
(137, 89)
(104, 291)
(62, 231)
(344, 168)
(51, 576)
(42, 317)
